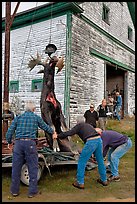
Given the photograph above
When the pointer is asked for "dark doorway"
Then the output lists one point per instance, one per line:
(115, 82)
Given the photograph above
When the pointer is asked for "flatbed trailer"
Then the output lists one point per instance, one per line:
(46, 158)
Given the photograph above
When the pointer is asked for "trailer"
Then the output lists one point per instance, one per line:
(47, 158)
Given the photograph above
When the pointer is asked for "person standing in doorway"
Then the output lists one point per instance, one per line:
(110, 103)
(102, 111)
(118, 106)
(91, 116)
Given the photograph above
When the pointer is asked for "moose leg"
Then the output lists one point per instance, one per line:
(64, 144)
(59, 123)
(46, 116)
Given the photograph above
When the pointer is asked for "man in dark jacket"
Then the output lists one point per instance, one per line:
(91, 116)
(116, 145)
(93, 143)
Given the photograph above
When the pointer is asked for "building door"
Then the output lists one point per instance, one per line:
(115, 82)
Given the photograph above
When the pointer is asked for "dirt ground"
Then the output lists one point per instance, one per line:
(80, 196)
(117, 200)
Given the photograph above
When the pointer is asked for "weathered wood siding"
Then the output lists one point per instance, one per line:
(87, 71)
(119, 19)
(27, 41)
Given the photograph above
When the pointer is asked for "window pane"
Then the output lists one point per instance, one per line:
(105, 14)
(37, 84)
(130, 33)
(14, 87)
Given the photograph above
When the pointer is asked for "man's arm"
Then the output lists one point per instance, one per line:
(71, 132)
(105, 150)
(97, 116)
(11, 131)
(98, 108)
(105, 144)
(44, 126)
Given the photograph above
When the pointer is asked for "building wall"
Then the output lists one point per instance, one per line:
(131, 93)
(88, 72)
(27, 41)
(119, 19)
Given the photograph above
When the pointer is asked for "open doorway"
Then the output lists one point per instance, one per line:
(115, 82)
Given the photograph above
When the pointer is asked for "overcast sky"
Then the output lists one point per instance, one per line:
(22, 7)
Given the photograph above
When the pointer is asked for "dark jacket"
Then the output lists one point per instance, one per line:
(112, 139)
(102, 111)
(91, 117)
(83, 130)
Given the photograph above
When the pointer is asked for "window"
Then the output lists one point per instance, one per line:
(130, 34)
(37, 84)
(14, 87)
(105, 14)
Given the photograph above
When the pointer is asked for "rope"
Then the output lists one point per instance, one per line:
(50, 24)
(24, 52)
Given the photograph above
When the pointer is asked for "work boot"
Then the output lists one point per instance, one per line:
(14, 194)
(33, 195)
(113, 178)
(77, 185)
(104, 183)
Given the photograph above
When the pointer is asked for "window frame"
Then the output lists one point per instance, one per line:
(33, 85)
(130, 34)
(105, 8)
(16, 82)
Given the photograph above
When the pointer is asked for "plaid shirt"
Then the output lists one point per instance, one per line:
(26, 126)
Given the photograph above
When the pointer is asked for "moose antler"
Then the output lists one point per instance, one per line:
(60, 64)
(36, 61)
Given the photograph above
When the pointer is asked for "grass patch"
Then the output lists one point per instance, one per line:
(125, 126)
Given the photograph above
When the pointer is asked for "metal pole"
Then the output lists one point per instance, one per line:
(6, 66)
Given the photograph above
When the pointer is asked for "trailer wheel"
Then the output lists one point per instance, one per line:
(25, 175)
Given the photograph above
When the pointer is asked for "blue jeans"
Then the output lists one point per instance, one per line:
(115, 154)
(24, 151)
(118, 112)
(90, 147)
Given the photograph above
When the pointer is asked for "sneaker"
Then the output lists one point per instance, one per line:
(77, 185)
(104, 183)
(33, 195)
(14, 194)
(114, 178)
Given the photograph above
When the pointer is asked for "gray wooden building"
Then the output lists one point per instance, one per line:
(97, 40)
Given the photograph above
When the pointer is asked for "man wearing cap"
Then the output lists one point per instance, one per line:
(91, 116)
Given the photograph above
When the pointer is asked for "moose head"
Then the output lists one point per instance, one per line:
(53, 60)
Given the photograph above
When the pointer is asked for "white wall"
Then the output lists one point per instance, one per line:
(27, 41)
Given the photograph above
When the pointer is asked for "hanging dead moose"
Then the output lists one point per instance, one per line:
(50, 107)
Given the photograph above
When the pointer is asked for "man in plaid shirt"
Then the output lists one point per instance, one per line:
(25, 127)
